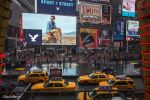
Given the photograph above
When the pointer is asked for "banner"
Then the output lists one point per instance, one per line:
(106, 14)
(34, 37)
(119, 33)
(90, 12)
(132, 28)
(56, 30)
(88, 37)
(128, 8)
(58, 7)
(105, 37)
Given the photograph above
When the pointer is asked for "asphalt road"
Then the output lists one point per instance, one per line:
(67, 96)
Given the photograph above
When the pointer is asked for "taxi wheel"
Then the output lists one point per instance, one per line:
(22, 82)
(85, 82)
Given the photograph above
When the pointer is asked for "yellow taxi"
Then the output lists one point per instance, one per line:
(98, 94)
(121, 82)
(94, 78)
(33, 77)
(57, 85)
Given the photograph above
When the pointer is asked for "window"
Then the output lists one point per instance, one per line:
(42, 75)
(50, 85)
(33, 75)
(121, 83)
(131, 82)
(58, 85)
(102, 76)
(96, 76)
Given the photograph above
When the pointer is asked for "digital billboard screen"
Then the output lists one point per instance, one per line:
(128, 8)
(56, 30)
(105, 37)
(132, 28)
(58, 7)
(106, 14)
(88, 37)
(119, 30)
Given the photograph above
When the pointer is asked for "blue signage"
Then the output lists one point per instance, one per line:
(58, 7)
(119, 33)
(34, 37)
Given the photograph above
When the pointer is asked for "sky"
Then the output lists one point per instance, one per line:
(39, 21)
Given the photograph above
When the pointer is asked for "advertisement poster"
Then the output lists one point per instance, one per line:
(128, 8)
(56, 30)
(106, 14)
(33, 37)
(105, 37)
(58, 7)
(88, 37)
(119, 33)
(132, 28)
(90, 12)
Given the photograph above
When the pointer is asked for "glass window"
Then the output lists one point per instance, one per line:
(92, 93)
(42, 75)
(102, 76)
(95, 76)
(58, 85)
(111, 82)
(131, 82)
(49, 85)
(33, 75)
(121, 83)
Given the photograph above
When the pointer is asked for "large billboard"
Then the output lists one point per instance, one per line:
(106, 14)
(88, 37)
(56, 30)
(128, 8)
(95, 13)
(90, 12)
(58, 7)
(132, 28)
(105, 37)
(119, 31)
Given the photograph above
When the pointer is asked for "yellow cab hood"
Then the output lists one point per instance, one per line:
(37, 86)
(22, 77)
(104, 83)
(84, 77)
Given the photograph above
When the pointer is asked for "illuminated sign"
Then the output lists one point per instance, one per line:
(58, 7)
(128, 8)
(56, 30)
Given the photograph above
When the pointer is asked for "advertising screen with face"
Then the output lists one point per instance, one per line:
(128, 8)
(56, 30)
(88, 37)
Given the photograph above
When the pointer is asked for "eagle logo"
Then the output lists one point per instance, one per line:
(33, 38)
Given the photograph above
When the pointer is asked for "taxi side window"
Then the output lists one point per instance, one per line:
(33, 75)
(102, 76)
(50, 85)
(42, 75)
(58, 85)
(95, 76)
(131, 82)
(121, 83)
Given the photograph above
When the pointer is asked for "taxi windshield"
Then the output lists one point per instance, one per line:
(66, 83)
(92, 93)
(91, 75)
(111, 82)
(45, 84)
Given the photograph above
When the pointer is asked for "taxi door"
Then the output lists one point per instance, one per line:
(32, 78)
(94, 79)
(59, 87)
(121, 85)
